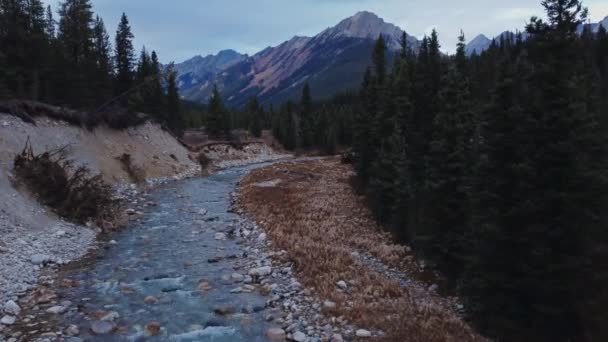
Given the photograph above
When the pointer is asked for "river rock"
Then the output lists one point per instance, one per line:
(261, 271)
(237, 277)
(342, 284)
(153, 328)
(150, 300)
(224, 310)
(363, 333)
(275, 334)
(8, 320)
(329, 304)
(56, 310)
(39, 259)
(262, 237)
(72, 330)
(102, 327)
(299, 336)
(111, 316)
(220, 236)
(12, 308)
(336, 338)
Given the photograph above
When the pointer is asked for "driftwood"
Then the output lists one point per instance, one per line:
(28, 110)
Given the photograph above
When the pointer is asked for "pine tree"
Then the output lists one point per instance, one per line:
(306, 117)
(102, 77)
(174, 121)
(124, 56)
(255, 113)
(155, 100)
(50, 23)
(217, 115)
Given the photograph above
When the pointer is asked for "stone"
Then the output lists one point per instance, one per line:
(204, 286)
(329, 304)
(203, 212)
(363, 333)
(102, 327)
(342, 284)
(336, 338)
(153, 328)
(237, 277)
(60, 233)
(110, 316)
(150, 300)
(8, 320)
(220, 236)
(262, 237)
(433, 288)
(224, 310)
(56, 310)
(275, 334)
(299, 336)
(12, 308)
(72, 330)
(39, 259)
(261, 271)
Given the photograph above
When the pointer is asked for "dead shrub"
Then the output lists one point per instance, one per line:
(136, 173)
(69, 190)
(203, 160)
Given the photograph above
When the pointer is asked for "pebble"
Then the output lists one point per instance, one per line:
(336, 338)
(8, 320)
(72, 330)
(261, 271)
(39, 259)
(220, 236)
(299, 336)
(237, 277)
(12, 308)
(153, 328)
(363, 333)
(329, 304)
(102, 327)
(57, 310)
(151, 300)
(342, 284)
(275, 334)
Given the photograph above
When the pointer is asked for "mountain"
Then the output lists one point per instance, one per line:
(332, 62)
(594, 26)
(199, 70)
(477, 45)
(482, 43)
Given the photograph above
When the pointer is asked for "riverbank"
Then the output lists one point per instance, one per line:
(33, 240)
(309, 210)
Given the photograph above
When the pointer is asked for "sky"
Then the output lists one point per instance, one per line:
(181, 29)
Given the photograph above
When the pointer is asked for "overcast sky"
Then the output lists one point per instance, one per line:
(180, 29)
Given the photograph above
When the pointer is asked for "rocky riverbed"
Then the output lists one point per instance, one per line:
(186, 269)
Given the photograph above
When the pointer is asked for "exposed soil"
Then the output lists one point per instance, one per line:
(310, 210)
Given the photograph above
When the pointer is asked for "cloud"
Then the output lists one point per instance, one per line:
(516, 13)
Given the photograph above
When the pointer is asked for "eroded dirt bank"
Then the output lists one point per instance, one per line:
(309, 210)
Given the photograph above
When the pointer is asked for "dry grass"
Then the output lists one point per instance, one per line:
(315, 216)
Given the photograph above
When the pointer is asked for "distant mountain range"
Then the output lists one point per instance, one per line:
(332, 62)
(482, 42)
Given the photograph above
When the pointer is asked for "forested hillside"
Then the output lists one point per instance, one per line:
(493, 167)
(66, 58)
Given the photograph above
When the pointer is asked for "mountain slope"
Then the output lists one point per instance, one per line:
(477, 45)
(332, 62)
(201, 69)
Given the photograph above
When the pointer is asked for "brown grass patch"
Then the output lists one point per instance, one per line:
(314, 215)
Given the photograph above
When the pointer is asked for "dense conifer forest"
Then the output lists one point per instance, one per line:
(66, 58)
(493, 167)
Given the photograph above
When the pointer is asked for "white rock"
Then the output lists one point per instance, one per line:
(329, 304)
(433, 288)
(110, 316)
(60, 233)
(342, 284)
(220, 236)
(299, 336)
(363, 333)
(4, 124)
(237, 277)
(261, 271)
(39, 259)
(12, 308)
(56, 310)
(203, 212)
(72, 330)
(8, 320)
(262, 237)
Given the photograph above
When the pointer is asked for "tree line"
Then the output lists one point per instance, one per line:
(70, 61)
(493, 167)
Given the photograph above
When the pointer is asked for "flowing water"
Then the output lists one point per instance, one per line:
(167, 254)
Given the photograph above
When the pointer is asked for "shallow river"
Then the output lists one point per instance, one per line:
(163, 259)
